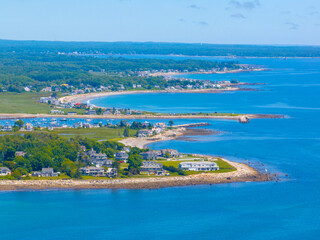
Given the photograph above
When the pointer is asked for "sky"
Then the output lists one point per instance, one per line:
(283, 22)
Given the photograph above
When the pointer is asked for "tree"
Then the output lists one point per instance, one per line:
(171, 123)
(69, 167)
(19, 124)
(16, 174)
(116, 165)
(10, 154)
(126, 132)
(135, 161)
(99, 111)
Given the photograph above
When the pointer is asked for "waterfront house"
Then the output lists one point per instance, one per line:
(91, 112)
(93, 171)
(72, 113)
(29, 127)
(100, 159)
(20, 154)
(199, 166)
(156, 130)
(152, 167)
(144, 133)
(6, 128)
(4, 171)
(45, 172)
(150, 155)
(121, 156)
(107, 112)
(170, 152)
(54, 111)
(160, 125)
(78, 125)
(48, 172)
(112, 172)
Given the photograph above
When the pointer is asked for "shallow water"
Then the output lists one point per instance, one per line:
(286, 210)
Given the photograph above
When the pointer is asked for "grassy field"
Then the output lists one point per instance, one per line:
(23, 103)
(28, 103)
(224, 166)
(98, 134)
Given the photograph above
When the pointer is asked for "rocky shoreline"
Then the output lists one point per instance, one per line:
(244, 173)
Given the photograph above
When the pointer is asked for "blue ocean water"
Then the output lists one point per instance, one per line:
(287, 209)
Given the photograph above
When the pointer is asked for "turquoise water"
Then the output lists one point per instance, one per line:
(285, 210)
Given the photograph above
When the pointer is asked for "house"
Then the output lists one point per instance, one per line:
(100, 160)
(4, 171)
(121, 156)
(156, 130)
(169, 152)
(45, 172)
(144, 133)
(91, 152)
(20, 154)
(160, 125)
(54, 111)
(150, 155)
(46, 89)
(29, 127)
(151, 167)
(91, 112)
(72, 113)
(112, 172)
(199, 166)
(78, 125)
(127, 149)
(6, 128)
(83, 148)
(27, 89)
(93, 171)
(107, 112)
(48, 100)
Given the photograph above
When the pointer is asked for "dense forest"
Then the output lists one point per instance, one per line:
(49, 150)
(160, 48)
(39, 70)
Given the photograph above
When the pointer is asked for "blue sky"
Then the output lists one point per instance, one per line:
(202, 21)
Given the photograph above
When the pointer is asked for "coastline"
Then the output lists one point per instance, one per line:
(90, 96)
(167, 74)
(171, 134)
(243, 173)
(142, 116)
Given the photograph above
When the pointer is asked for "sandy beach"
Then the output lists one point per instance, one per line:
(168, 74)
(88, 96)
(142, 142)
(244, 173)
(171, 134)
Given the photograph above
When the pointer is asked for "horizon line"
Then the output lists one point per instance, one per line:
(145, 42)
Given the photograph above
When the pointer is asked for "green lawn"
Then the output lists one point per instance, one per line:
(224, 166)
(23, 103)
(94, 133)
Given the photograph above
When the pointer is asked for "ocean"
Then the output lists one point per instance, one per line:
(288, 209)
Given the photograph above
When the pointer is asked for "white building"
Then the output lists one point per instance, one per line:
(199, 166)
(29, 127)
(4, 171)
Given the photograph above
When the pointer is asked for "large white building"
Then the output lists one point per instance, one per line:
(199, 166)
